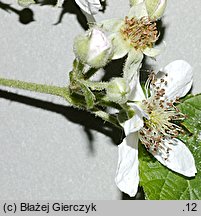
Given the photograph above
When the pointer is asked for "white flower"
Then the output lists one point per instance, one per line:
(137, 32)
(153, 125)
(135, 35)
(93, 48)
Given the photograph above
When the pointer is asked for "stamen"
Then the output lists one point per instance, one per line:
(160, 126)
(141, 33)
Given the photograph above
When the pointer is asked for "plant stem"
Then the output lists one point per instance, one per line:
(63, 92)
(41, 88)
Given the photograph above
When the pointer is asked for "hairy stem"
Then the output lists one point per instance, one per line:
(64, 92)
(41, 88)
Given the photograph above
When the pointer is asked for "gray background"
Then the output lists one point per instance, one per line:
(45, 153)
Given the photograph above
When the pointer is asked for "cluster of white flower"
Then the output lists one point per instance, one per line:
(154, 109)
(150, 112)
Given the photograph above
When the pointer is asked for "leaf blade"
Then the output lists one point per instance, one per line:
(160, 183)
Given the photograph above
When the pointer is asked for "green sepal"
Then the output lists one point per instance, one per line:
(89, 96)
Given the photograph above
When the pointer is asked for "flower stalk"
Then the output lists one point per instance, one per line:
(75, 100)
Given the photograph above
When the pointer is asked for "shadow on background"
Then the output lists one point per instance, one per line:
(26, 15)
(71, 7)
(114, 69)
(84, 118)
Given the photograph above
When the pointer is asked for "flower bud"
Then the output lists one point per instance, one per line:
(93, 48)
(155, 8)
(118, 90)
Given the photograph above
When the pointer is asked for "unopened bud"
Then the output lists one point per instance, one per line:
(93, 48)
(118, 90)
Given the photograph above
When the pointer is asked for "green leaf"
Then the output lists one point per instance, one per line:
(160, 183)
(192, 108)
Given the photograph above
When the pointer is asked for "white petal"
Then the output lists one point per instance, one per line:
(179, 79)
(127, 174)
(136, 93)
(135, 2)
(139, 111)
(157, 50)
(180, 158)
(156, 8)
(136, 122)
(111, 25)
(132, 64)
(121, 47)
(151, 52)
(138, 11)
(89, 6)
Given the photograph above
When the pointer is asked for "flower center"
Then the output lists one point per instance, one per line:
(160, 126)
(141, 33)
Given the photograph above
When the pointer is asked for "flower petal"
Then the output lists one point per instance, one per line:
(180, 158)
(136, 93)
(132, 64)
(151, 52)
(179, 79)
(135, 2)
(138, 11)
(156, 8)
(121, 47)
(127, 174)
(111, 25)
(89, 6)
(136, 122)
